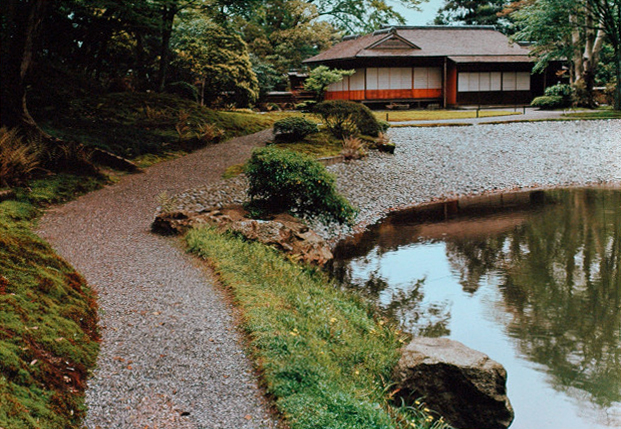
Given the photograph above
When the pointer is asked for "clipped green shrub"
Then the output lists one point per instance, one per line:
(548, 102)
(341, 111)
(342, 127)
(384, 125)
(566, 92)
(294, 128)
(306, 106)
(283, 180)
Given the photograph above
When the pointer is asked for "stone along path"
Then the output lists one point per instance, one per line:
(170, 355)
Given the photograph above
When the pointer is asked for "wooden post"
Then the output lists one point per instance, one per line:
(445, 83)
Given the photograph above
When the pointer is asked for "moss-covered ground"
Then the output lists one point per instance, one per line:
(48, 316)
(150, 127)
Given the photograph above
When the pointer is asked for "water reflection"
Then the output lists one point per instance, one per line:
(535, 286)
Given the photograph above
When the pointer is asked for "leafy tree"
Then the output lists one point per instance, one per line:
(365, 15)
(285, 32)
(267, 76)
(218, 59)
(321, 77)
(21, 27)
(570, 29)
(607, 13)
(473, 12)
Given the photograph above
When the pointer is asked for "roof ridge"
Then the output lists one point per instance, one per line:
(387, 28)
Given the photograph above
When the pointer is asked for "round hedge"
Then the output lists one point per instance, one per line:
(342, 111)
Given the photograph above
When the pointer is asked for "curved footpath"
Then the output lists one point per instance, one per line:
(170, 356)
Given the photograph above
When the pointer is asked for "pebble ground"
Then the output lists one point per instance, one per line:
(444, 162)
(171, 356)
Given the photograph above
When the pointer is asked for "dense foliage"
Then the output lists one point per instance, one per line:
(468, 12)
(294, 128)
(548, 102)
(573, 31)
(321, 77)
(282, 180)
(347, 117)
(564, 91)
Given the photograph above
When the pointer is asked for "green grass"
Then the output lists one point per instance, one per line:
(48, 316)
(595, 114)
(143, 126)
(323, 353)
(433, 125)
(436, 115)
(320, 145)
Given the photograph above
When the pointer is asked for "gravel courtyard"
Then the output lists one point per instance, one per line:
(444, 162)
(432, 163)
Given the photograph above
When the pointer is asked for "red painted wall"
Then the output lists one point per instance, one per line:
(385, 94)
(451, 85)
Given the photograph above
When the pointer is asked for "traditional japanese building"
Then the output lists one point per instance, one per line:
(441, 65)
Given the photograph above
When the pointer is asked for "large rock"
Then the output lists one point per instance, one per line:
(283, 232)
(464, 386)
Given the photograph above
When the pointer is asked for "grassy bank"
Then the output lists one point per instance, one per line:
(48, 318)
(437, 115)
(324, 354)
(149, 127)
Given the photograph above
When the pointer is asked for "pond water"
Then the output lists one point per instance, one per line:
(533, 280)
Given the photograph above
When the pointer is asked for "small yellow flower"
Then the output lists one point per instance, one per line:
(333, 320)
(357, 372)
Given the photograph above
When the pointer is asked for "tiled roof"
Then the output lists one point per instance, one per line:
(484, 43)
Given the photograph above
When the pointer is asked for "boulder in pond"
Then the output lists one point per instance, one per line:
(464, 386)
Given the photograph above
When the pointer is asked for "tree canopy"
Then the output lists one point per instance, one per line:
(572, 30)
(472, 12)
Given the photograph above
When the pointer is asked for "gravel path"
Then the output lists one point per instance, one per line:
(433, 163)
(171, 356)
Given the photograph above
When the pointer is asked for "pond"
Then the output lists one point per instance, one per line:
(531, 279)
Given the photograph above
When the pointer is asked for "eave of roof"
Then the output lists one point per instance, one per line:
(434, 41)
(460, 59)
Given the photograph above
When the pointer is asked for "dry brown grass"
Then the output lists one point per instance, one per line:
(19, 158)
(353, 148)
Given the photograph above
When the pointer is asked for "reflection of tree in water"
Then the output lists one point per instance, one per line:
(561, 280)
(403, 304)
(473, 259)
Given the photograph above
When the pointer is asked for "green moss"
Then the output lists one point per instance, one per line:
(133, 125)
(324, 354)
(48, 317)
(319, 145)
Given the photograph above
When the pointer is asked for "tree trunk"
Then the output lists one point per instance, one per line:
(617, 93)
(168, 16)
(22, 24)
(203, 83)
